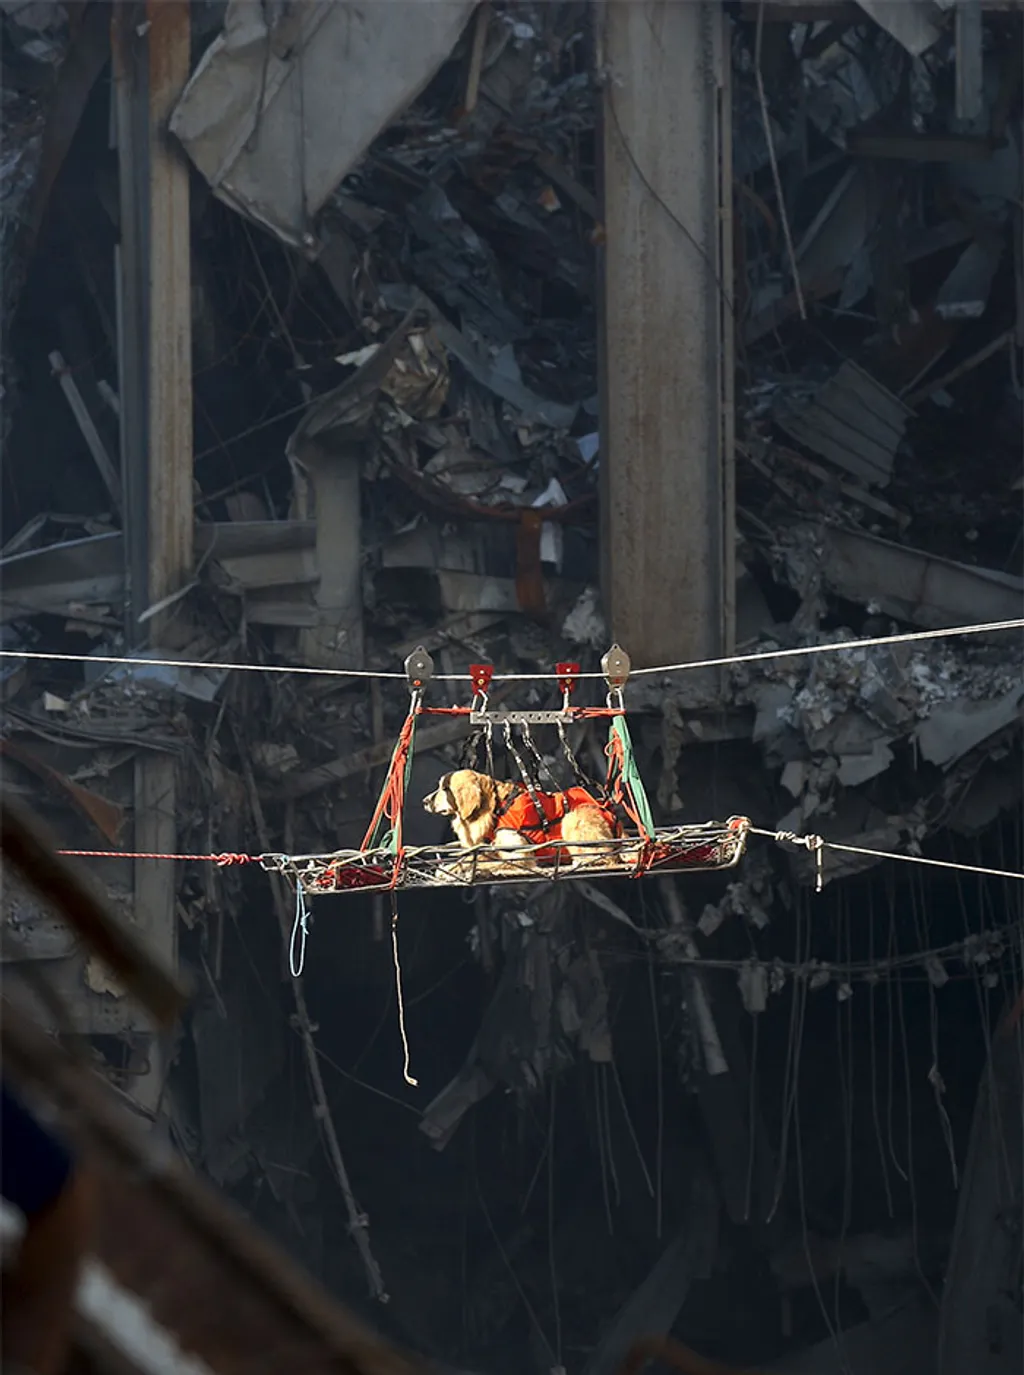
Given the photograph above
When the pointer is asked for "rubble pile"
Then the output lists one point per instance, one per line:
(397, 443)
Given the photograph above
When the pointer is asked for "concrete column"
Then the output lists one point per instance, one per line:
(171, 518)
(336, 641)
(667, 339)
(151, 66)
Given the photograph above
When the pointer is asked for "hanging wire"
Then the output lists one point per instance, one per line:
(661, 670)
(873, 1052)
(801, 995)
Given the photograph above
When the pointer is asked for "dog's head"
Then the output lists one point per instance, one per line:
(464, 794)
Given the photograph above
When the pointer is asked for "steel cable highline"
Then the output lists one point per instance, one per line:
(728, 661)
(812, 843)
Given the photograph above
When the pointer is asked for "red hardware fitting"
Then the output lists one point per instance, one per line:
(567, 675)
(480, 676)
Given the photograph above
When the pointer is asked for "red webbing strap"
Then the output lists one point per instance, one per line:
(616, 787)
(391, 803)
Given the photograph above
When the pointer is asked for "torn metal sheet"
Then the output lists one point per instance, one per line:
(87, 424)
(835, 239)
(852, 420)
(201, 684)
(954, 729)
(494, 374)
(277, 113)
(915, 24)
(916, 587)
(89, 570)
(965, 292)
(847, 85)
(409, 367)
(106, 816)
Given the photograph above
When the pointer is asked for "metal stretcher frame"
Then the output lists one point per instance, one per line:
(385, 863)
(671, 850)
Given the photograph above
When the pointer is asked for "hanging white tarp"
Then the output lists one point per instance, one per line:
(278, 111)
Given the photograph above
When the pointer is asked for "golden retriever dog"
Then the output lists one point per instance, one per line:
(485, 811)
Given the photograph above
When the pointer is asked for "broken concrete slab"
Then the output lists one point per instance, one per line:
(913, 586)
(772, 702)
(953, 730)
(278, 111)
(855, 769)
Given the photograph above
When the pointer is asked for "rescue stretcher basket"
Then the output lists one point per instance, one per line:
(670, 850)
(535, 852)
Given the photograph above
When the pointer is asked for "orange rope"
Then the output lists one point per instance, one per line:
(618, 791)
(392, 798)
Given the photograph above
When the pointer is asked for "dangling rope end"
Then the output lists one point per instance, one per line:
(817, 847)
(399, 995)
(300, 933)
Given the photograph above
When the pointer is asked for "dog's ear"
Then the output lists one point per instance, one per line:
(468, 792)
(437, 802)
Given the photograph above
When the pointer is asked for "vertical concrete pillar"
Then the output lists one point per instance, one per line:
(667, 337)
(151, 67)
(336, 641)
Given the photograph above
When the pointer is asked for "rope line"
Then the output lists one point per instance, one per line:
(977, 949)
(399, 993)
(799, 651)
(728, 661)
(814, 844)
(203, 665)
(300, 934)
(221, 860)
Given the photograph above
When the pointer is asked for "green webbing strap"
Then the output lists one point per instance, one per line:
(631, 779)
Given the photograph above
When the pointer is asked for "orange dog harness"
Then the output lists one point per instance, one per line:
(521, 815)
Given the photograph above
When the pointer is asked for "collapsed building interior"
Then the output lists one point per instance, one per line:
(727, 1106)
